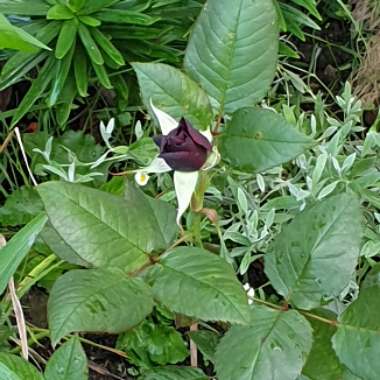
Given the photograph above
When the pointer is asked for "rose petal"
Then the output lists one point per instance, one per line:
(165, 121)
(195, 135)
(185, 184)
(185, 161)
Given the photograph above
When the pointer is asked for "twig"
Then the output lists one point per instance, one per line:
(4, 145)
(193, 348)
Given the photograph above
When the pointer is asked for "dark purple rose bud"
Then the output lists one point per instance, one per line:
(184, 148)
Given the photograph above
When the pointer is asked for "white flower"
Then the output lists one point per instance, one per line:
(184, 182)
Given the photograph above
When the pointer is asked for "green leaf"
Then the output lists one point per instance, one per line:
(81, 71)
(322, 362)
(257, 140)
(122, 16)
(173, 92)
(274, 346)
(69, 362)
(90, 45)
(102, 75)
(59, 12)
(20, 207)
(24, 7)
(206, 341)
(199, 284)
(97, 5)
(314, 257)
(174, 373)
(12, 367)
(108, 47)
(96, 300)
(66, 39)
(61, 74)
(232, 52)
(105, 230)
(12, 37)
(357, 340)
(45, 76)
(152, 343)
(17, 248)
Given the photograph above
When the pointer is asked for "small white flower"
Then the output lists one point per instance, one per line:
(141, 178)
(250, 292)
(184, 182)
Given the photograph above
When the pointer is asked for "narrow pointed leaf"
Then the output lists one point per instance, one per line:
(90, 45)
(66, 39)
(17, 248)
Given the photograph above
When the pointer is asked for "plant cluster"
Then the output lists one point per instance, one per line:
(236, 230)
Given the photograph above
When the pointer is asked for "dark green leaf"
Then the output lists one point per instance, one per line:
(322, 362)
(232, 52)
(314, 257)
(96, 300)
(275, 346)
(151, 343)
(106, 230)
(206, 342)
(257, 140)
(199, 284)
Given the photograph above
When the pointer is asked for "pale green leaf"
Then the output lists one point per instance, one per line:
(96, 300)
(199, 284)
(69, 362)
(256, 140)
(273, 347)
(314, 257)
(12, 367)
(357, 340)
(173, 92)
(17, 248)
(232, 51)
(13, 37)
